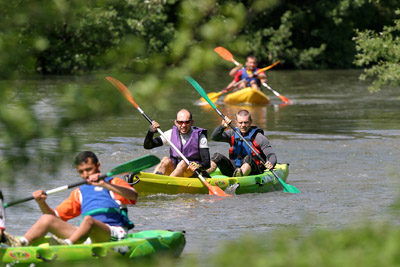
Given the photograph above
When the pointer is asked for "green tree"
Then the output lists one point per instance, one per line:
(160, 41)
(380, 54)
(75, 36)
(310, 34)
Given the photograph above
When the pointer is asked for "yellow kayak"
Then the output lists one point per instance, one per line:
(150, 183)
(247, 95)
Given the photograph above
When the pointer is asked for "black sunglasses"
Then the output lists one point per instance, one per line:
(183, 122)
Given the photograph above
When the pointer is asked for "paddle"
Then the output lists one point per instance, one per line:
(133, 166)
(214, 96)
(225, 54)
(287, 188)
(283, 98)
(213, 190)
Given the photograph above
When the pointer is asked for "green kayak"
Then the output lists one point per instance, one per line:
(139, 244)
(149, 183)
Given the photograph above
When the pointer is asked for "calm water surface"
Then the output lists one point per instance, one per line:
(342, 144)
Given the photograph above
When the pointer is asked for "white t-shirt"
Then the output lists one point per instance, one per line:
(184, 138)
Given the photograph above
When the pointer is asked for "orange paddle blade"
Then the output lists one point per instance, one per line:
(218, 191)
(224, 53)
(212, 189)
(285, 99)
(269, 67)
(122, 88)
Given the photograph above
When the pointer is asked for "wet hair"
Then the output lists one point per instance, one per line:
(244, 112)
(190, 113)
(84, 156)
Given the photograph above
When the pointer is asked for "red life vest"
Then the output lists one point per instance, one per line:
(239, 149)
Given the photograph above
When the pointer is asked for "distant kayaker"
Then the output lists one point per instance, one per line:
(242, 161)
(98, 201)
(249, 74)
(190, 140)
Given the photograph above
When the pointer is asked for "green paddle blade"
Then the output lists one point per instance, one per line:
(287, 188)
(200, 90)
(135, 165)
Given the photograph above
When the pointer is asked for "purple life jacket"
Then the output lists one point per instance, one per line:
(191, 150)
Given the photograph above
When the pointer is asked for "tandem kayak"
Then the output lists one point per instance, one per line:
(247, 95)
(150, 183)
(139, 244)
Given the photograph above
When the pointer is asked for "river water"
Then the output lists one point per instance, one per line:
(341, 141)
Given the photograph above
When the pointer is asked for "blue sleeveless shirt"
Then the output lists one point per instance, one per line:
(98, 203)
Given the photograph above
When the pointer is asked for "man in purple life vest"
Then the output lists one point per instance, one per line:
(242, 160)
(190, 140)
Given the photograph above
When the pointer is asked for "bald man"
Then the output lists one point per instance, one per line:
(189, 139)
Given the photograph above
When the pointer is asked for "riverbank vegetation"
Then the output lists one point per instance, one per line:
(380, 52)
(364, 245)
(70, 37)
(161, 41)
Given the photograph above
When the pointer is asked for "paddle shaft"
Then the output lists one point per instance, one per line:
(225, 54)
(49, 192)
(217, 95)
(283, 98)
(122, 88)
(247, 143)
(200, 90)
(235, 84)
(178, 151)
(256, 72)
(131, 166)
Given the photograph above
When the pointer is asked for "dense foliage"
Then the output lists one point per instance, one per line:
(380, 52)
(163, 40)
(63, 37)
(74, 36)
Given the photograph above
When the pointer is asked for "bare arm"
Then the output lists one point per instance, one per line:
(40, 197)
(262, 77)
(233, 71)
(230, 86)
